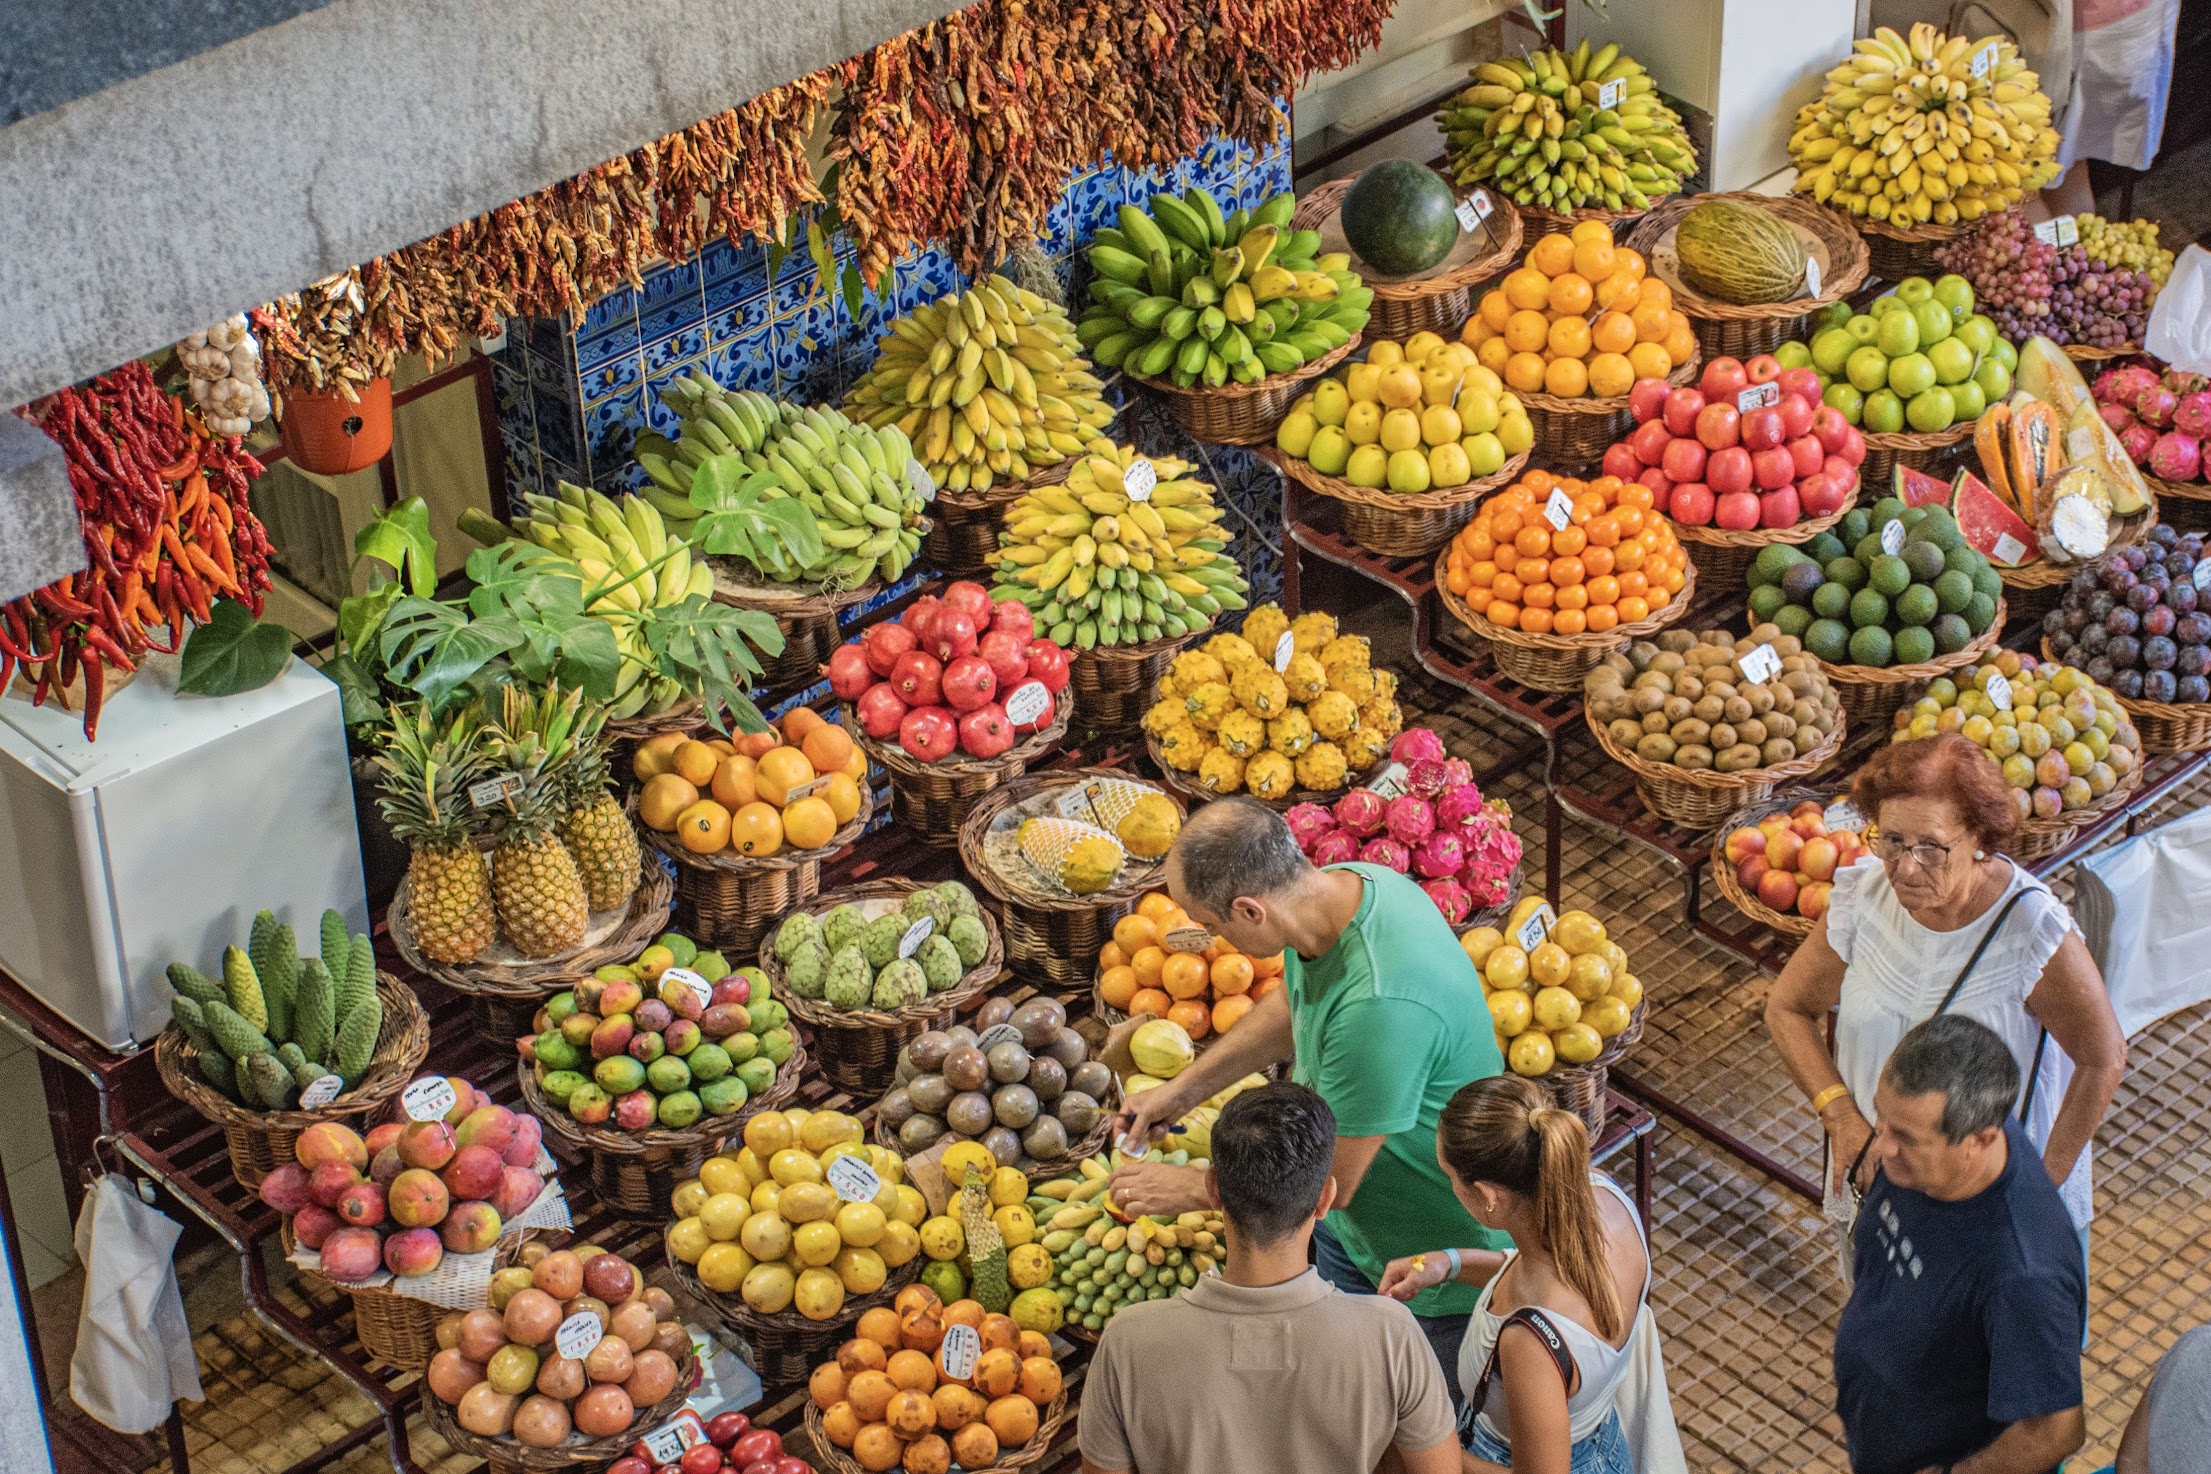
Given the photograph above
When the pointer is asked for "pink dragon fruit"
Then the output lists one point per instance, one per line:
(1441, 854)
(1387, 851)
(2154, 406)
(2185, 384)
(2117, 416)
(2175, 457)
(1308, 822)
(2137, 440)
(1362, 812)
(1450, 897)
(1411, 819)
(1457, 770)
(1457, 804)
(1486, 890)
(2193, 416)
(1334, 847)
(2123, 385)
(1425, 779)
(1413, 744)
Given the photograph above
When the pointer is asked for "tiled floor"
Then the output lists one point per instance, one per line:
(34, 1177)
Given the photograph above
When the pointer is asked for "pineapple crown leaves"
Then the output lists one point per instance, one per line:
(533, 739)
(587, 776)
(425, 768)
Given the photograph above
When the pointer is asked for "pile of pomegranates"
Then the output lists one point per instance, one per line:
(955, 673)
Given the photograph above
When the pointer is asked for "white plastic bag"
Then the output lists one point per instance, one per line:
(2180, 322)
(2139, 905)
(134, 1353)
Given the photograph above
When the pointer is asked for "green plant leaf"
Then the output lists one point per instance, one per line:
(360, 698)
(361, 615)
(432, 649)
(233, 652)
(775, 534)
(710, 649)
(855, 291)
(817, 246)
(401, 538)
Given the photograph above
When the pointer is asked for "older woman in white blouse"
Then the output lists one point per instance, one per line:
(1900, 932)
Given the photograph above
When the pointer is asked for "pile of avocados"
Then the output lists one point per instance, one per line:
(1853, 602)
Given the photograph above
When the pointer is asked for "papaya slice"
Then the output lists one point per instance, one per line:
(2035, 452)
(1988, 443)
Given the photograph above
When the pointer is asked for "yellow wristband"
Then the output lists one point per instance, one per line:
(1828, 1097)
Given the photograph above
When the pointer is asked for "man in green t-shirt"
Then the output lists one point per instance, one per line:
(1380, 1011)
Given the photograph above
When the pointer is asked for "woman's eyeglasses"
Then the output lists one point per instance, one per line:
(1929, 855)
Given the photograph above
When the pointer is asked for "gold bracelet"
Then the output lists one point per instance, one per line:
(1828, 1097)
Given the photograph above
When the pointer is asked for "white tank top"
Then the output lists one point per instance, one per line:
(1601, 1364)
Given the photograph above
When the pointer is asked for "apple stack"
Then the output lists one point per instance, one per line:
(1776, 860)
(952, 698)
(1745, 457)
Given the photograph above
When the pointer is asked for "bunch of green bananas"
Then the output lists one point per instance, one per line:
(716, 421)
(1193, 295)
(629, 565)
(1905, 130)
(1104, 562)
(858, 481)
(990, 384)
(1536, 129)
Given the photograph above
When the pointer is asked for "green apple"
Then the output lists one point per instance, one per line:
(1915, 290)
(1793, 354)
(1899, 335)
(1887, 303)
(1845, 397)
(1868, 368)
(1969, 399)
(1485, 453)
(1911, 375)
(1831, 349)
(1934, 322)
(1884, 413)
(1976, 333)
(2004, 353)
(1865, 327)
(1833, 315)
(1956, 293)
(1931, 410)
(1953, 361)
(1369, 465)
(1330, 450)
(1994, 379)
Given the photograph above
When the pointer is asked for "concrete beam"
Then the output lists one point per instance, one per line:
(156, 206)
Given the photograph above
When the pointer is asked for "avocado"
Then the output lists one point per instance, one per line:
(1871, 646)
(1889, 576)
(1847, 571)
(1980, 614)
(1953, 590)
(1766, 601)
(1914, 646)
(1824, 547)
(1802, 580)
(1951, 634)
(1917, 606)
(1868, 609)
(1829, 639)
(1925, 560)
(1831, 600)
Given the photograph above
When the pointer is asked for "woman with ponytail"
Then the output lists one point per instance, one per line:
(1562, 1321)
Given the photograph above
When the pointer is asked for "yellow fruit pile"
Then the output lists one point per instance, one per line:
(1414, 415)
(1579, 316)
(756, 795)
(1559, 1002)
(765, 1224)
(1244, 714)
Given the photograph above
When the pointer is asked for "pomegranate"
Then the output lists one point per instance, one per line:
(1048, 664)
(880, 711)
(1002, 651)
(965, 596)
(986, 731)
(1015, 618)
(917, 678)
(968, 681)
(921, 615)
(848, 672)
(952, 636)
(882, 644)
(928, 733)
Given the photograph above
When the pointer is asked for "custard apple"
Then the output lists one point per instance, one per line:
(927, 903)
(968, 938)
(807, 968)
(900, 983)
(940, 962)
(796, 931)
(850, 982)
(880, 941)
(842, 927)
(959, 898)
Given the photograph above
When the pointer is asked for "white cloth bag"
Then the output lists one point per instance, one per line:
(1645, 1409)
(2140, 907)
(134, 1354)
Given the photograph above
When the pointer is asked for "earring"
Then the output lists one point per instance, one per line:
(1980, 854)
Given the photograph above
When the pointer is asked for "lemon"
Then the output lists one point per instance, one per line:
(911, 1208)
(687, 1240)
(816, 1243)
(1628, 988)
(688, 1196)
(723, 1267)
(792, 1165)
(1579, 932)
(766, 1196)
(861, 1224)
(860, 1271)
(766, 1236)
(1577, 1044)
(942, 1237)
(1479, 943)
(1555, 1008)
(1589, 976)
(724, 1175)
(1531, 1054)
(754, 1166)
(1506, 967)
(1608, 1016)
(723, 1216)
(1550, 965)
(806, 1202)
(899, 1243)
(768, 1133)
(818, 1294)
(1510, 1012)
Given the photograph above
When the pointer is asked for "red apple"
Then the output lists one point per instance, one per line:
(1719, 426)
(1763, 369)
(1803, 383)
(1662, 498)
(1658, 481)
(1737, 511)
(1771, 468)
(1649, 442)
(1762, 429)
(1743, 843)
(1796, 415)
(1830, 428)
(1841, 472)
(1780, 508)
(1777, 888)
(1691, 504)
(918, 678)
(1820, 496)
(1854, 449)
(1728, 470)
(929, 733)
(1723, 379)
(1646, 399)
(1682, 407)
(1683, 460)
(985, 732)
(1806, 453)
(1620, 461)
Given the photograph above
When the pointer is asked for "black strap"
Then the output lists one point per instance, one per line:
(1536, 1321)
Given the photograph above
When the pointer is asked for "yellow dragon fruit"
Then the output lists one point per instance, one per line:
(1312, 632)
(1230, 650)
(1290, 733)
(1242, 733)
(1208, 705)
(1192, 669)
(1221, 772)
(1322, 767)
(1334, 716)
(1260, 691)
(1183, 747)
(1364, 748)
(1263, 626)
(1270, 776)
(1305, 677)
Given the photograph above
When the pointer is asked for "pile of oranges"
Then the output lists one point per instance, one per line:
(1144, 970)
(794, 785)
(1614, 562)
(1579, 317)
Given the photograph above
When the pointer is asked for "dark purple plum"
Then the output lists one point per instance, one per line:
(2192, 688)
(2123, 651)
(2127, 683)
(2193, 628)
(2159, 685)
(2182, 596)
(2094, 638)
(2195, 660)
(2053, 621)
(2164, 535)
(2159, 621)
(2100, 670)
(2122, 621)
(2142, 597)
(2101, 603)
(2159, 653)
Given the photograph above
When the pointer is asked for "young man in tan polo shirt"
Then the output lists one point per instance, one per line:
(1268, 1366)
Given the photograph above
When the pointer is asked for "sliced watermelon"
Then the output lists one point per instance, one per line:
(1988, 525)
(1918, 489)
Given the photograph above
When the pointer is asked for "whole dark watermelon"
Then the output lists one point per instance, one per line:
(1398, 217)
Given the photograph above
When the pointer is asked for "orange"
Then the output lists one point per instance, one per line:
(1232, 974)
(735, 782)
(800, 722)
(1505, 522)
(1681, 340)
(1476, 332)
(828, 747)
(756, 829)
(694, 763)
(1148, 961)
(1617, 292)
(1524, 371)
(1540, 596)
(857, 769)
(1568, 338)
(1112, 955)
(1573, 596)
(1594, 259)
(1184, 975)
(1657, 293)
(1634, 584)
(1570, 294)
(912, 1371)
(1151, 1001)
(1629, 263)
(1500, 611)
(1228, 1010)
(1566, 377)
(1527, 288)
(1493, 355)
(1154, 905)
(752, 744)
(1650, 361)
(826, 1386)
(1590, 230)
(869, 1393)
(1481, 575)
(1611, 375)
(997, 1372)
(965, 1313)
(861, 1355)
(780, 770)
(809, 823)
(843, 795)
(1535, 621)
(1552, 255)
(1604, 531)
(1612, 332)
(1195, 1018)
(704, 827)
(1602, 617)
(1569, 540)
(1532, 571)
(1566, 570)
(1651, 321)
(1527, 331)
(1532, 541)
(1495, 308)
(999, 1330)
(1013, 1419)
(957, 1406)
(664, 798)
(879, 1325)
(1569, 622)
(1117, 985)
(1507, 587)
(1134, 932)
(877, 1448)
(1633, 608)
(1604, 588)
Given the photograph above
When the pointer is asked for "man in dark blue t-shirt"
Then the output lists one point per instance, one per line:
(1960, 1347)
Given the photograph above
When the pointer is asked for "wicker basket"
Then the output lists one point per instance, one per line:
(1438, 300)
(505, 1456)
(504, 995)
(1547, 662)
(1935, 453)
(1049, 934)
(858, 1048)
(963, 539)
(687, 716)
(1577, 432)
(2032, 589)
(1242, 414)
(1700, 798)
(1581, 1088)
(2164, 726)
(806, 616)
(1897, 251)
(1114, 683)
(634, 1172)
(1396, 524)
(726, 900)
(836, 1461)
(1743, 330)
(398, 1330)
(1537, 222)
(1724, 555)
(2038, 838)
(1871, 694)
(2185, 504)
(261, 1141)
(1787, 923)
(932, 798)
(2084, 353)
(784, 1348)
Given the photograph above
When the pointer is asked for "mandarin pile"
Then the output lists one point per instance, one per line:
(1151, 967)
(1614, 562)
(1536, 331)
(754, 796)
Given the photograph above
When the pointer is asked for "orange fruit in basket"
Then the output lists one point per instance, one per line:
(1148, 960)
(735, 782)
(1612, 332)
(1228, 1010)
(1496, 308)
(1566, 377)
(756, 829)
(1155, 905)
(1539, 594)
(1651, 320)
(1681, 340)
(1184, 975)
(1527, 288)
(1533, 540)
(1531, 571)
(1656, 292)
(1524, 372)
(1111, 955)
(800, 722)
(1650, 361)
(828, 747)
(780, 770)
(1134, 932)
(704, 828)
(1493, 355)
(1602, 617)
(843, 794)
(1571, 293)
(1568, 338)
(1611, 376)
(1535, 621)
(1232, 974)
(1267, 967)
(1117, 985)
(1629, 263)
(1527, 331)
(1595, 259)
(809, 823)
(1552, 255)
(1617, 293)
(1151, 1001)
(1196, 1019)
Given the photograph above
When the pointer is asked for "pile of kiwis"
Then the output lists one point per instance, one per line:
(1682, 699)
(1020, 1081)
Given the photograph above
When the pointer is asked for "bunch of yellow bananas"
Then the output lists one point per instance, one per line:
(1930, 128)
(1567, 131)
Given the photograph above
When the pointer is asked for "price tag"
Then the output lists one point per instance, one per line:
(1027, 704)
(494, 792)
(2080, 443)
(996, 1035)
(1999, 693)
(1613, 93)
(1187, 939)
(1811, 276)
(1984, 60)
(1559, 510)
(321, 1091)
(1536, 929)
(1758, 396)
(1390, 782)
(2009, 549)
(1139, 479)
(666, 1444)
(1284, 649)
(962, 1344)
(696, 982)
(1843, 814)
(852, 1179)
(1474, 209)
(579, 1334)
(916, 934)
(429, 1099)
(923, 482)
(2200, 575)
(1081, 802)
(1759, 664)
(808, 790)
(1892, 536)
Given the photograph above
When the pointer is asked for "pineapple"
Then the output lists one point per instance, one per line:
(534, 881)
(594, 828)
(426, 767)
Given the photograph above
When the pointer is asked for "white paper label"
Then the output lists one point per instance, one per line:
(1611, 94)
(578, 1335)
(1843, 814)
(1811, 276)
(807, 790)
(1390, 782)
(962, 1344)
(1533, 932)
(321, 1091)
(996, 1035)
(494, 341)
(1284, 648)
(923, 482)
(916, 934)
(429, 1099)
(1759, 664)
(1892, 536)
(1984, 60)
(696, 982)
(1474, 209)
(2200, 575)
(1081, 802)
(493, 792)
(1758, 396)
(851, 1178)
(1187, 939)
(2064, 230)
(1999, 693)
(666, 1444)
(1027, 704)
(2009, 549)
(1139, 479)
(1559, 510)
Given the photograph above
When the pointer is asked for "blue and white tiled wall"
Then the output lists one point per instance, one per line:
(573, 397)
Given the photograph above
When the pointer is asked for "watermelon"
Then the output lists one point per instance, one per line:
(1400, 217)
(1990, 527)
(1918, 489)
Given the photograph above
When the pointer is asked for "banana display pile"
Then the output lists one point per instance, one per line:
(1195, 296)
(857, 480)
(1935, 128)
(990, 385)
(628, 563)
(1103, 561)
(1564, 132)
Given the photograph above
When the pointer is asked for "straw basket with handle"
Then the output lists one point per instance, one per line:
(1894, 252)
(1242, 414)
(1440, 299)
(963, 540)
(1836, 253)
